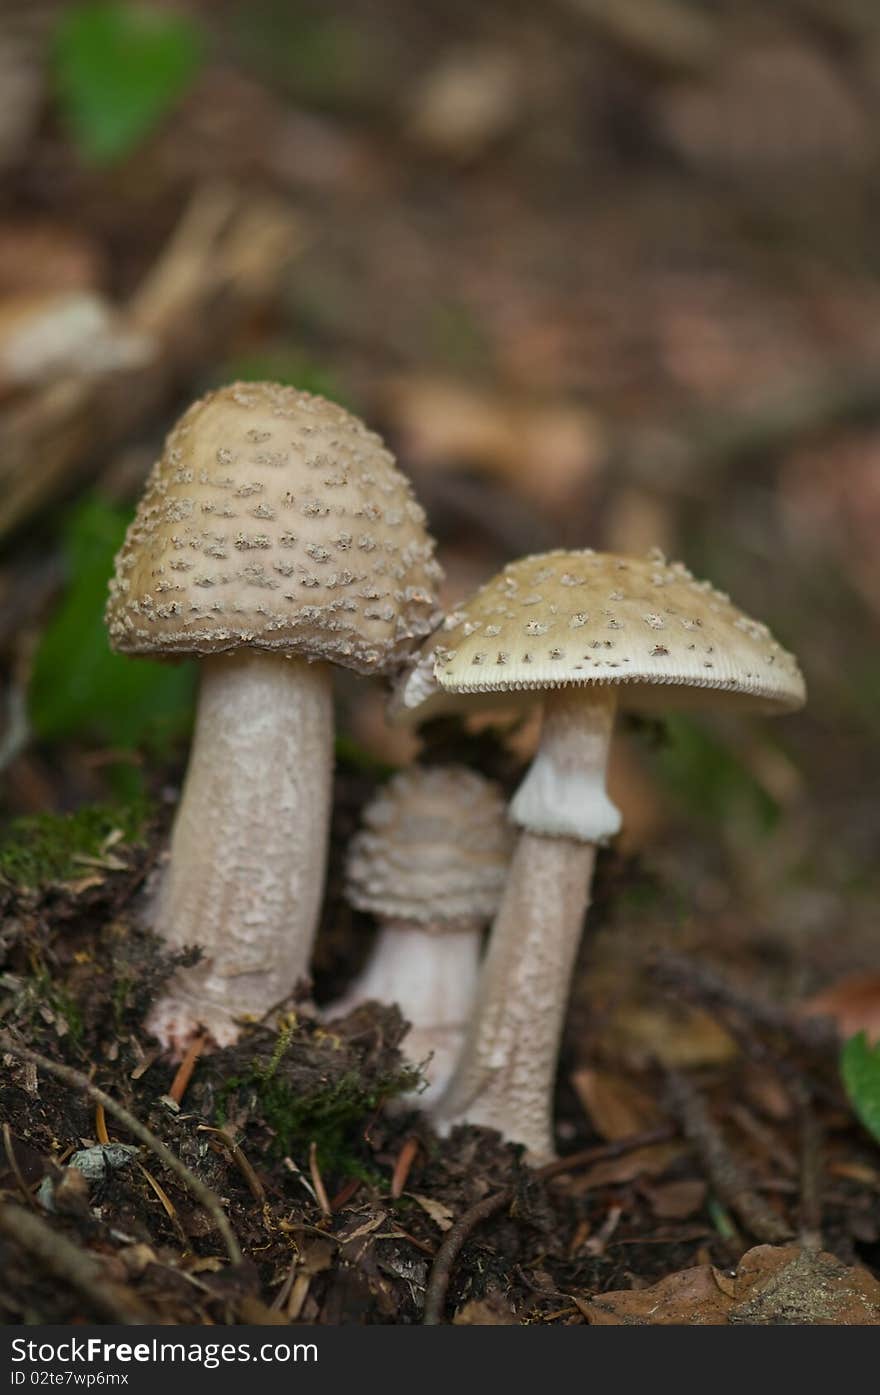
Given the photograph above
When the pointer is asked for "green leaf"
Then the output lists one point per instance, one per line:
(860, 1068)
(79, 687)
(119, 69)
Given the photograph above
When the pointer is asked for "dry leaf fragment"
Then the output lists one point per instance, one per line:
(439, 1214)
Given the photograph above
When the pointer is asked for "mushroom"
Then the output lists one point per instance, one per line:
(429, 862)
(275, 539)
(581, 632)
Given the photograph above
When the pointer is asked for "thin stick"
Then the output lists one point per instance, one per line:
(616, 1149)
(186, 1068)
(810, 1221)
(318, 1180)
(455, 1237)
(101, 1133)
(723, 1170)
(9, 1150)
(453, 1240)
(403, 1166)
(78, 1081)
(80, 1271)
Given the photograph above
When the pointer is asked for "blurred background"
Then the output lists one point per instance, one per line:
(604, 272)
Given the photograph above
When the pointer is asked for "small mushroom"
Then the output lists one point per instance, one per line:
(430, 863)
(580, 632)
(275, 539)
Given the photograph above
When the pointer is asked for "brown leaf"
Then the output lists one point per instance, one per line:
(546, 451)
(853, 1003)
(773, 1284)
(491, 1311)
(690, 1297)
(616, 1107)
(675, 1201)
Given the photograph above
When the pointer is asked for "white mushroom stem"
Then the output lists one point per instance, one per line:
(504, 1079)
(431, 973)
(249, 844)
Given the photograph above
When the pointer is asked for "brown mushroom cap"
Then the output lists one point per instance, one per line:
(577, 618)
(434, 848)
(276, 519)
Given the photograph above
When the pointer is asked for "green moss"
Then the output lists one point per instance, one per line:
(328, 1112)
(47, 848)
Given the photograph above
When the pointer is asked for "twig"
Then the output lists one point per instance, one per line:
(441, 1273)
(722, 1169)
(186, 1068)
(9, 1150)
(616, 1149)
(402, 1167)
(223, 261)
(701, 984)
(453, 1240)
(80, 1271)
(232, 1149)
(318, 1180)
(810, 1172)
(78, 1081)
(101, 1133)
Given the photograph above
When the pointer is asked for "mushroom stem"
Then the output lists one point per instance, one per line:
(431, 974)
(248, 848)
(504, 1079)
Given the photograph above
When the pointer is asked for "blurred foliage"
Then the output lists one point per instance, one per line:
(119, 69)
(47, 848)
(290, 368)
(317, 57)
(860, 1068)
(79, 687)
(709, 780)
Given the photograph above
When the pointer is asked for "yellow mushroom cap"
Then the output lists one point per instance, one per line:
(576, 618)
(275, 519)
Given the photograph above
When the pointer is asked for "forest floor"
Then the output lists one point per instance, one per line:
(599, 284)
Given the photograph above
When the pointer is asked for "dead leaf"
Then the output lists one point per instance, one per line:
(773, 1284)
(853, 1004)
(491, 1311)
(678, 1037)
(547, 451)
(440, 1214)
(691, 1297)
(616, 1107)
(675, 1201)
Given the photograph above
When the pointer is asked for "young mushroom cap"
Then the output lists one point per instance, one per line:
(581, 632)
(275, 520)
(429, 863)
(433, 849)
(275, 537)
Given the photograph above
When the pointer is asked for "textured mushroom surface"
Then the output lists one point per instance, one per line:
(588, 617)
(277, 519)
(434, 849)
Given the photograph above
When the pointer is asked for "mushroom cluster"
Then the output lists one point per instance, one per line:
(429, 863)
(276, 539)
